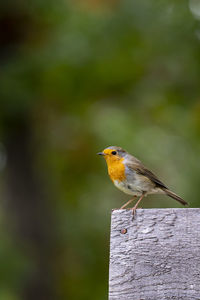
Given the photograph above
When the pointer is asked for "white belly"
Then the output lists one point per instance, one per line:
(129, 189)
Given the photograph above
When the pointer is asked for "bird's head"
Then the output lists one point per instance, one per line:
(113, 153)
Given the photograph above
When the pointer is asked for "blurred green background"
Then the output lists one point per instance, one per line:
(76, 77)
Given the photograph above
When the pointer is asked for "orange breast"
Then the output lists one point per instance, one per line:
(116, 170)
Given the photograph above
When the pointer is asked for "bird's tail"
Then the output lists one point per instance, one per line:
(174, 196)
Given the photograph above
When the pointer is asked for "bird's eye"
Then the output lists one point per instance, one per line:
(114, 152)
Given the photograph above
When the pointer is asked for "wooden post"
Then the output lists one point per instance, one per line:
(156, 255)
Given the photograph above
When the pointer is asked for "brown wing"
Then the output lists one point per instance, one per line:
(138, 167)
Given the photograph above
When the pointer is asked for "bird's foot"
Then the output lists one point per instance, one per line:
(134, 210)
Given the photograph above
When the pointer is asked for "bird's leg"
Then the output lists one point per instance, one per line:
(136, 205)
(127, 203)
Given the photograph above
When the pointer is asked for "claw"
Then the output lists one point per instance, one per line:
(134, 210)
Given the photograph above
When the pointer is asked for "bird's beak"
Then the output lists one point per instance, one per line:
(100, 153)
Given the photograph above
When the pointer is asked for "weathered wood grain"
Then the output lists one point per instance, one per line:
(155, 256)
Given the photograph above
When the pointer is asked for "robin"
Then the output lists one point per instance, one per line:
(130, 176)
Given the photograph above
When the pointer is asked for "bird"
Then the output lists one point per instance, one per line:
(130, 176)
